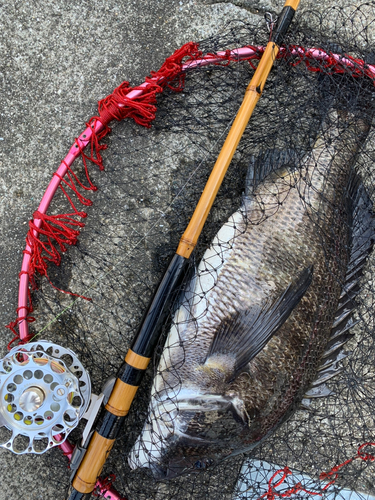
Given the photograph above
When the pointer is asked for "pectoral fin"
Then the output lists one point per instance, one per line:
(244, 334)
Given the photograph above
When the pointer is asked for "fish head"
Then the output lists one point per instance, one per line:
(192, 433)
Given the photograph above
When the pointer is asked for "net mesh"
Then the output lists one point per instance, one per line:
(307, 152)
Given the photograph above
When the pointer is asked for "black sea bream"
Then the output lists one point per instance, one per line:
(268, 310)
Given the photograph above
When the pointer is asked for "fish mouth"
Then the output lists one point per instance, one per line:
(186, 436)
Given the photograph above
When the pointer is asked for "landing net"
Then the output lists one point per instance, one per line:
(146, 194)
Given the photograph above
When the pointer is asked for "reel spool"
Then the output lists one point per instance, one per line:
(44, 391)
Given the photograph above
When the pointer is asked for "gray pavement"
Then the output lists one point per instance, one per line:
(57, 59)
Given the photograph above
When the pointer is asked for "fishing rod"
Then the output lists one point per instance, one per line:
(138, 357)
(171, 73)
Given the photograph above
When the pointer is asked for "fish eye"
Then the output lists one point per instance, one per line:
(198, 464)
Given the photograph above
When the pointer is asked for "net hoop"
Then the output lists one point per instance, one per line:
(331, 62)
(315, 60)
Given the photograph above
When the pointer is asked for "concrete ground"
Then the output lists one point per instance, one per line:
(57, 59)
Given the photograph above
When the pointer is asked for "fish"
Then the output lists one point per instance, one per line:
(262, 323)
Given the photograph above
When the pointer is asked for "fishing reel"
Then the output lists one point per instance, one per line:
(44, 392)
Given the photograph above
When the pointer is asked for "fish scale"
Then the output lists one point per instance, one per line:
(249, 336)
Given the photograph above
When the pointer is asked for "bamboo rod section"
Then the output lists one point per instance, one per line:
(138, 357)
(253, 92)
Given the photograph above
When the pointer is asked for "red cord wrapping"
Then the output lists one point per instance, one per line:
(330, 65)
(25, 317)
(57, 232)
(61, 230)
(332, 475)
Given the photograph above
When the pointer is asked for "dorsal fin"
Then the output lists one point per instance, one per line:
(362, 240)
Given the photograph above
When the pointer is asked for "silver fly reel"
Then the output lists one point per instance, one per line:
(44, 391)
